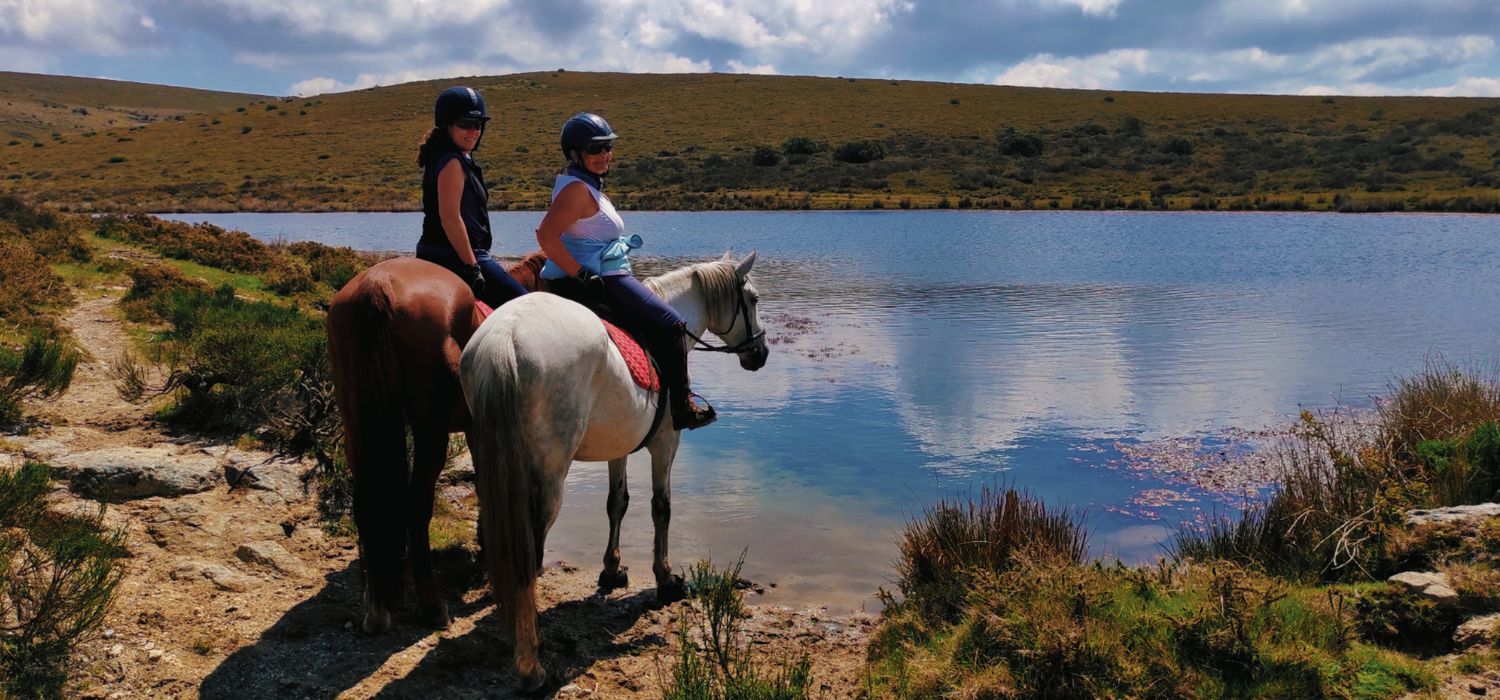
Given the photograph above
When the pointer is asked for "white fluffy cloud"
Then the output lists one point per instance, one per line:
(1363, 67)
(1104, 70)
(104, 27)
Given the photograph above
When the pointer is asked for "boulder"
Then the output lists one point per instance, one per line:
(223, 577)
(127, 473)
(273, 555)
(1443, 515)
(1477, 631)
(260, 473)
(1427, 583)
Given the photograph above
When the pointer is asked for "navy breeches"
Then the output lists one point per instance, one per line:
(499, 286)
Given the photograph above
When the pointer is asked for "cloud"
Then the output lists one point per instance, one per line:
(1107, 70)
(1363, 67)
(103, 27)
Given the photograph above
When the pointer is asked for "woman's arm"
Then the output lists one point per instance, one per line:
(450, 191)
(571, 205)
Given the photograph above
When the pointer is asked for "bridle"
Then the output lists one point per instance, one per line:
(740, 310)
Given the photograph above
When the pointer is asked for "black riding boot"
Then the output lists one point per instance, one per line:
(689, 410)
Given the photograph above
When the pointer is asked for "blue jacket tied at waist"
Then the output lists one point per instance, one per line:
(603, 258)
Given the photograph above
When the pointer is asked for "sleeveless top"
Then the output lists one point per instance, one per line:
(472, 206)
(598, 242)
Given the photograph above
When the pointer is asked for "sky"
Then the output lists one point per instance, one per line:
(307, 47)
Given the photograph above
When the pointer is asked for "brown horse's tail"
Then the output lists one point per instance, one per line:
(367, 384)
(505, 469)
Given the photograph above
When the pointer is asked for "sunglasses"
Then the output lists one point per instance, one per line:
(469, 124)
(595, 149)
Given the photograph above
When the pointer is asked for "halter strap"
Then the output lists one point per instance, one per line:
(750, 339)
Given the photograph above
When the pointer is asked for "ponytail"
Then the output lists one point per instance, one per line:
(435, 140)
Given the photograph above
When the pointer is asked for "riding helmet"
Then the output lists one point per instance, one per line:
(459, 103)
(583, 129)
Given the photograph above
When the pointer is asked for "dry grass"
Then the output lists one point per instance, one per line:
(688, 141)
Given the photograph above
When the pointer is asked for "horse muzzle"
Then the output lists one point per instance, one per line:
(755, 358)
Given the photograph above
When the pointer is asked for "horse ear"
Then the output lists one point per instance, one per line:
(743, 268)
(728, 256)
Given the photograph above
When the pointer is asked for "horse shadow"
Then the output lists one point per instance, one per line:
(315, 650)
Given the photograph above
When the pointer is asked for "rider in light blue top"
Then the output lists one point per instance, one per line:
(584, 237)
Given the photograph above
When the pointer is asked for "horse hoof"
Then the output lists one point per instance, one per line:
(436, 617)
(376, 621)
(610, 581)
(533, 683)
(671, 590)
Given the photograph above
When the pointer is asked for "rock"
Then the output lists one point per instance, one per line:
(125, 473)
(116, 650)
(223, 577)
(261, 473)
(1430, 584)
(65, 506)
(267, 553)
(154, 655)
(1440, 515)
(1478, 631)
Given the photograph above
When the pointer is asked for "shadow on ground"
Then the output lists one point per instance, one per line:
(316, 651)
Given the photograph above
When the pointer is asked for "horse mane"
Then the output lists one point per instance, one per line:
(528, 271)
(719, 279)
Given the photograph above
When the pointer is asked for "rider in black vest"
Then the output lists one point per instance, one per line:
(455, 220)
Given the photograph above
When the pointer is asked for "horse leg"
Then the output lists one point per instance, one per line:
(549, 492)
(378, 478)
(615, 576)
(429, 448)
(669, 586)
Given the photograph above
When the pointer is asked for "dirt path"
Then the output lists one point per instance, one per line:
(237, 592)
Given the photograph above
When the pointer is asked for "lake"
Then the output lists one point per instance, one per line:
(923, 354)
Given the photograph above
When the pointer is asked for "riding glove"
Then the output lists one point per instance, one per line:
(475, 277)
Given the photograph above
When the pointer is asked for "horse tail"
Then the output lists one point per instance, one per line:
(505, 472)
(367, 381)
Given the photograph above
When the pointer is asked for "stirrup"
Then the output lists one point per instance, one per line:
(692, 413)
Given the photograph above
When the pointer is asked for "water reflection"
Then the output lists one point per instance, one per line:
(921, 354)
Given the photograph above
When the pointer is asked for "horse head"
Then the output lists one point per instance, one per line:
(732, 314)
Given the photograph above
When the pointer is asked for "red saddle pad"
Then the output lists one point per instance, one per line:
(641, 369)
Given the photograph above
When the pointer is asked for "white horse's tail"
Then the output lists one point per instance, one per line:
(504, 473)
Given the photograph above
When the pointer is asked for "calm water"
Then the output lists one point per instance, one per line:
(949, 350)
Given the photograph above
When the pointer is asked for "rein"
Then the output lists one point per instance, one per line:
(750, 339)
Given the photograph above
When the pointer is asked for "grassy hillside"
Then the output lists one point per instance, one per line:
(50, 108)
(745, 141)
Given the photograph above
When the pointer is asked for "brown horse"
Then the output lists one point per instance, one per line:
(395, 334)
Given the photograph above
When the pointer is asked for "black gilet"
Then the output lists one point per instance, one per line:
(472, 207)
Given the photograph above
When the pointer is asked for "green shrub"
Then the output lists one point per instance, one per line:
(765, 155)
(952, 542)
(1392, 617)
(1016, 143)
(241, 367)
(714, 660)
(58, 577)
(803, 146)
(43, 368)
(151, 284)
(860, 151)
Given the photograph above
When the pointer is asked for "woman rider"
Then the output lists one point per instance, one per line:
(455, 222)
(583, 237)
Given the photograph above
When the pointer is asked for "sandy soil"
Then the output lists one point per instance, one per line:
(237, 592)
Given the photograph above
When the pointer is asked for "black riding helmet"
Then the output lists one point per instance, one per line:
(459, 103)
(583, 129)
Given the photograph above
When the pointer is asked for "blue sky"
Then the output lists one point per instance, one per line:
(285, 47)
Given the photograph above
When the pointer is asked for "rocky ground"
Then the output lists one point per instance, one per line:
(234, 590)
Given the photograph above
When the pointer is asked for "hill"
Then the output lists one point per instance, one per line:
(47, 108)
(702, 141)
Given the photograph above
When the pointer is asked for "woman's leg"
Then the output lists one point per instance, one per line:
(661, 329)
(499, 286)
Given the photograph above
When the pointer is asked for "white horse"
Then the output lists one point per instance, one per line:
(545, 387)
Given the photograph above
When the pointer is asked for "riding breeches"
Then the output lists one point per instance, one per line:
(499, 286)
